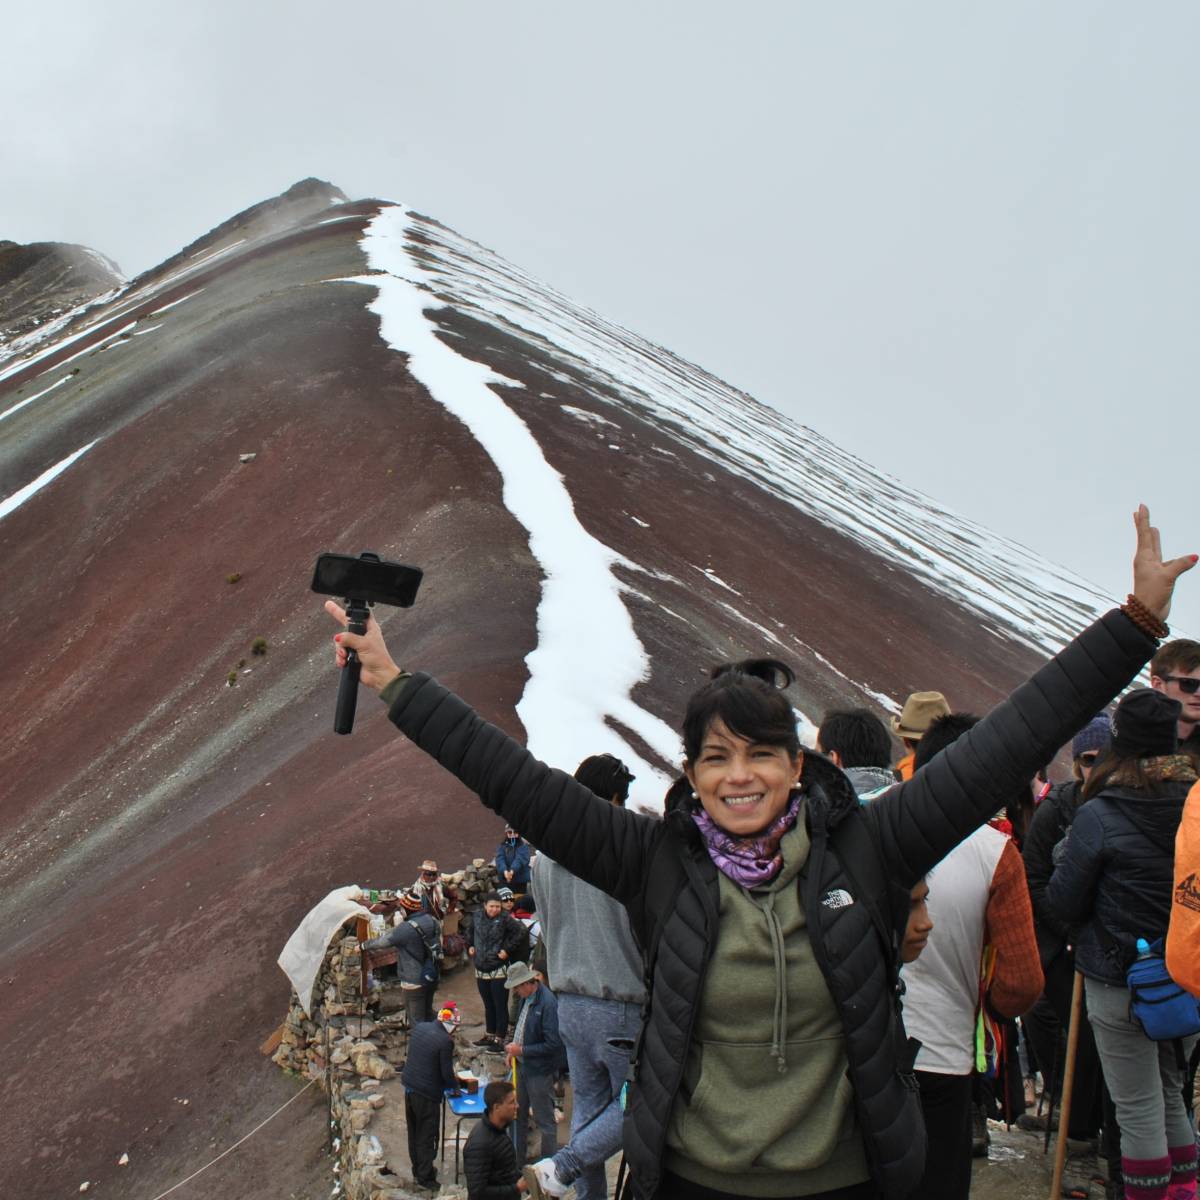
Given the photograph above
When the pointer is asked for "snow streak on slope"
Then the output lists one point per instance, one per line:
(19, 497)
(564, 714)
(1013, 589)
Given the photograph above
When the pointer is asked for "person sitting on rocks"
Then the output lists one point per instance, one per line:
(428, 1069)
(489, 1160)
(418, 946)
(512, 861)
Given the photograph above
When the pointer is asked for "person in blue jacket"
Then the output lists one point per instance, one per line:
(512, 861)
(537, 1052)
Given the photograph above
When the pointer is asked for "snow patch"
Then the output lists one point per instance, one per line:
(582, 414)
(8, 412)
(18, 498)
(568, 699)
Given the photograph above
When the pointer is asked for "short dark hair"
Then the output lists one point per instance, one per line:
(492, 895)
(749, 698)
(860, 738)
(497, 1092)
(943, 732)
(1182, 654)
(605, 775)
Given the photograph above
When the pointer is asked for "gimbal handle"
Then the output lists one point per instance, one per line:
(357, 613)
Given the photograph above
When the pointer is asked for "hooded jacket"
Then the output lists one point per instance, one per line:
(662, 873)
(1115, 880)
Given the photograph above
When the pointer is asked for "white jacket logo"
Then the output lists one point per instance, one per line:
(837, 899)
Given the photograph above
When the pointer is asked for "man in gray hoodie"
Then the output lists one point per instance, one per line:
(858, 741)
(595, 969)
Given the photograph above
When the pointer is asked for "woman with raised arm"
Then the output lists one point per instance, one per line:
(772, 1060)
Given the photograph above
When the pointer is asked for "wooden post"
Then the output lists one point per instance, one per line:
(1064, 1108)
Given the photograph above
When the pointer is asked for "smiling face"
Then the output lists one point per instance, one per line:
(492, 908)
(742, 785)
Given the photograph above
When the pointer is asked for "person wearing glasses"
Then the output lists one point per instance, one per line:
(1175, 671)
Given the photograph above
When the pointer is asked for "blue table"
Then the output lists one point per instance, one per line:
(464, 1107)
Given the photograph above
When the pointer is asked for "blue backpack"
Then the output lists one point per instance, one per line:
(1163, 1009)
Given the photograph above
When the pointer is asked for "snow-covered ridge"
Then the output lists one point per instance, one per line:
(1011, 587)
(565, 718)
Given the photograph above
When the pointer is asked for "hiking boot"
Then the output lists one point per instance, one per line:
(980, 1137)
(546, 1177)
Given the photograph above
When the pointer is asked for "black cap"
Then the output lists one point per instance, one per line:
(1146, 725)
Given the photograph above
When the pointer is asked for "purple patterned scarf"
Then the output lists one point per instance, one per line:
(749, 861)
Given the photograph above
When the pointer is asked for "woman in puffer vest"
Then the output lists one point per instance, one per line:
(772, 1062)
(1113, 884)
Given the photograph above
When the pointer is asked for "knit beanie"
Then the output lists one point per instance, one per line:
(1093, 737)
(1145, 725)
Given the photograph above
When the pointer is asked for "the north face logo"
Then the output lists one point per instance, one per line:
(839, 898)
(1187, 893)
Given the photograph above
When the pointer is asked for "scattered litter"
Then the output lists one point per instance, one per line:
(123, 1161)
(247, 458)
(1004, 1153)
(83, 1187)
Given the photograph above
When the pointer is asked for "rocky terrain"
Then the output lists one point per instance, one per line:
(598, 523)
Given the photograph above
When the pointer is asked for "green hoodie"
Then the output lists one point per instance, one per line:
(770, 1110)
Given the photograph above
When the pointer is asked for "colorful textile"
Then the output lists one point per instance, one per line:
(748, 861)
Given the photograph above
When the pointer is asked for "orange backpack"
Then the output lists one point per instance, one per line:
(1183, 935)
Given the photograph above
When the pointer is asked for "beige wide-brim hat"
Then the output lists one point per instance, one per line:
(429, 865)
(920, 711)
(518, 974)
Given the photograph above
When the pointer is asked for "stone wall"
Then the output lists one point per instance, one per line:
(353, 1046)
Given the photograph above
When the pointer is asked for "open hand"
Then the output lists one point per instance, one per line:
(378, 669)
(1154, 579)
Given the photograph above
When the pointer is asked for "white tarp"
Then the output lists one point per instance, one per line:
(301, 958)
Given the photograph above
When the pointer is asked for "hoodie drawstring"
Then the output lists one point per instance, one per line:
(779, 1024)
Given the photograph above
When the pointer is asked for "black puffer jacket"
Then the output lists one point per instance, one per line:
(490, 935)
(1049, 826)
(661, 872)
(490, 1164)
(1115, 879)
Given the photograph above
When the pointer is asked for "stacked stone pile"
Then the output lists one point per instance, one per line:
(353, 1045)
(472, 883)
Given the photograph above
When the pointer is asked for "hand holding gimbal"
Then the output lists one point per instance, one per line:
(363, 582)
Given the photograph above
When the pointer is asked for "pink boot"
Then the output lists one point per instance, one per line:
(1147, 1178)
(1183, 1173)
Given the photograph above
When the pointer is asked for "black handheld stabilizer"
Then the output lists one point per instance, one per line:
(361, 582)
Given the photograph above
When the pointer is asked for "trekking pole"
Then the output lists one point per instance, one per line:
(1064, 1107)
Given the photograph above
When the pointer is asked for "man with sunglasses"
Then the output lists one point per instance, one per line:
(1175, 671)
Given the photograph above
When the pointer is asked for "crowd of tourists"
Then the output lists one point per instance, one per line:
(819, 961)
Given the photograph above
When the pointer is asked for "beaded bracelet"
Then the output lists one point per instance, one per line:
(1144, 619)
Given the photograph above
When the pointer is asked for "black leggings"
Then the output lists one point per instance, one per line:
(675, 1188)
(495, 1005)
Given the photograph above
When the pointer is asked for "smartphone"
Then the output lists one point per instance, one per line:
(367, 577)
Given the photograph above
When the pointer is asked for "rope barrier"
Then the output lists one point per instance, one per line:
(236, 1144)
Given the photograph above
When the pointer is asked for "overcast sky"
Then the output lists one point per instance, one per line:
(962, 241)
